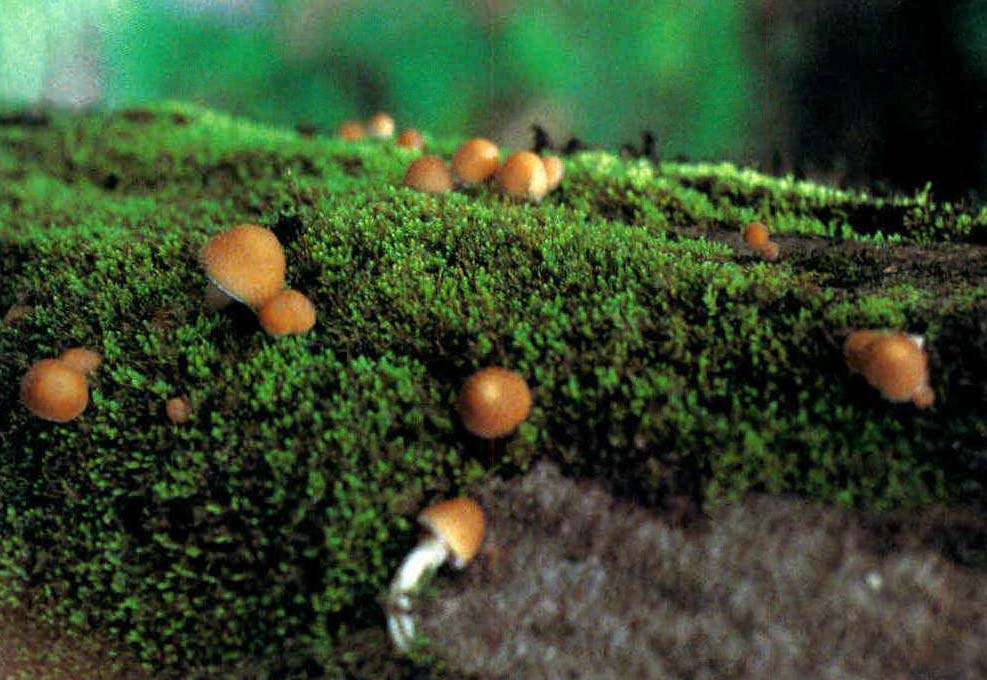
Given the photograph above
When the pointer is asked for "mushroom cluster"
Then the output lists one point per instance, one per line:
(894, 363)
(524, 175)
(380, 126)
(246, 264)
(56, 389)
(757, 237)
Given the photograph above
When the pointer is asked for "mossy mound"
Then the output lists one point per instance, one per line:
(664, 358)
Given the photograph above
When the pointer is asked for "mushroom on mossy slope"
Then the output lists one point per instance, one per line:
(52, 389)
(894, 363)
(455, 533)
(493, 402)
(247, 263)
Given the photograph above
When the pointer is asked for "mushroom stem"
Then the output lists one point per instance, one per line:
(427, 556)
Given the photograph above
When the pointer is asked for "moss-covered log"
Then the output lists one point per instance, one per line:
(665, 360)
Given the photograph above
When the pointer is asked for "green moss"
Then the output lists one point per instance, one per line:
(663, 357)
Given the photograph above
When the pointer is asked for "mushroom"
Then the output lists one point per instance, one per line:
(246, 263)
(352, 131)
(287, 313)
(894, 363)
(178, 410)
(428, 174)
(381, 126)
(554, 170)
(755, 235)
(476, 161)
(523, 176)
(411, 139)
(80, 359)
(769, 251)
(493, 402)
(455, 532)
(53, 390)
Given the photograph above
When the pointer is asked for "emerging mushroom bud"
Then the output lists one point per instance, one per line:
(53, 390)
(287, 313)
(476, 161)
(80, 359)
(756, 235)
(411, 139)
(381, 126)
(428, 174)
(246, 263)
(523, 176)
(493, 402)
(456, 529)
(352, 131)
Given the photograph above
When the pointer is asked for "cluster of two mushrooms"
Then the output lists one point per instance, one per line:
(757, 237)
(492, 403)
(246, 264)
(894, 363)
(56, 389)
(524, 175)
(380, 126)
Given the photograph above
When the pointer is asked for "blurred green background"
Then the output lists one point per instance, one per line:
(743, 80)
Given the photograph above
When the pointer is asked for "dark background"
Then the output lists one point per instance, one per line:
(886, 94)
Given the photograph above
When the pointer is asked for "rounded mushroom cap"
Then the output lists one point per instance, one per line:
(178, 409)
(381, 126)
(460, 524)
(428, 174)
(53, 390)
(493, 402)
(554, 171)
(476, 160)
(523, 176)
(411, 139)
(80, 359)
(352, 131)
(854, 346)
(896, 365)
(287, 313)
(245, 262)
(769, 251)
(756, 234)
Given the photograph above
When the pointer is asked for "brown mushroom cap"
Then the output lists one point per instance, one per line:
(523, 176)
(53, 390)
(428, 174)
(854, 346)
(352, 131)
(769, 251)
(493, 402)
(554, 171)
(381, 126)
(245, 262)
(896, 365)
(178, 409)
(476, 160)
(411, 139)
(80, 359)
(756, 234)
(460, 524)
(287, 313)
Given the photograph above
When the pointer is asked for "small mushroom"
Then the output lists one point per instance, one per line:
(287, 313)
(53, 390)
(769, 251)
(493, 402)
(246, 263)
(83, 360)
(523, 176)
(756, 234)
(428, 174)
(381, 126)
(178, 410)
(411, 139)
(476, 161)
(352, 131)
(455, 533)
(894, 363)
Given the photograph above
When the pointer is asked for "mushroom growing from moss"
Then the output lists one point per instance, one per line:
(53, 390)
(523, 176)
(381, 126)
(455, 533)
(894, 363)
(493, 402)
(352, 131)
(287, 313)
(83, 360)
(178, 410)
(476, 161)
(756, 234)
(411, 139)
(246, 263)
(428, 174)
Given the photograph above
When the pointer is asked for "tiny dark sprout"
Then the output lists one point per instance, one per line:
(306, 129)
(542, 140)
(574, 145)
(648, 150)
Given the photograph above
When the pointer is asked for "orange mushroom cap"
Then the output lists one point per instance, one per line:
(460, 524)
(523, 176)
(493, 402)
(769, 251)
(287, 313)
(178, 410)
(756, 234)
(411, 139)
(854, 346)
(428, 174)
(896, 365)
(476, 160)
(381, 126)
(554, 171)
(80, 359)
(53, 390)
(352, 131)
(246, 262)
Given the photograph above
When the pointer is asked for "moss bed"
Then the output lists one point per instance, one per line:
(667, 362)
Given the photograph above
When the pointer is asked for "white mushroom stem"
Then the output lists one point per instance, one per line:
(427, 556)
